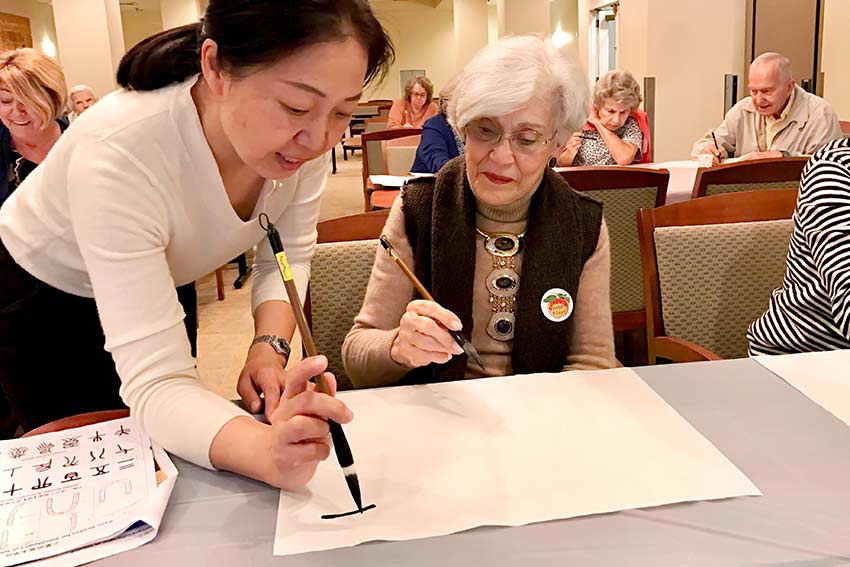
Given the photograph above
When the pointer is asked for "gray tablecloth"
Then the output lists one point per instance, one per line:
(796, 453)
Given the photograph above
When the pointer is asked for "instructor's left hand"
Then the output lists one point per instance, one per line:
(263, 373)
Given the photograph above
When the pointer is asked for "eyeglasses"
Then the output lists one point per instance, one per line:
(523, 142)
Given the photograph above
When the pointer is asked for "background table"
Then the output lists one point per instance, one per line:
(683, 174)
(793, 450)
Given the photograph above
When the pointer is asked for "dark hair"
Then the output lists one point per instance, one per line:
(252, 34)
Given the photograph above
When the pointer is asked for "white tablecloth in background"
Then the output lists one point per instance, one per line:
(682, 177)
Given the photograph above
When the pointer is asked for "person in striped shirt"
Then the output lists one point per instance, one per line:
(811, 311)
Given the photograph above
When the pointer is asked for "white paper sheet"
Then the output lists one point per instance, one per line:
(389, 180)
(78, 495)
(820, 376)
(442, 458)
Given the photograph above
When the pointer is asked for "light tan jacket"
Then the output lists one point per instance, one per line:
(811, 124)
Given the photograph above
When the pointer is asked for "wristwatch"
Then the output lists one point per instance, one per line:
(279, 344)
(785, 153)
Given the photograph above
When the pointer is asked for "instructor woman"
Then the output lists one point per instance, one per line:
(161, 183)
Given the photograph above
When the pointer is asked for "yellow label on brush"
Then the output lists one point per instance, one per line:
(283, 264)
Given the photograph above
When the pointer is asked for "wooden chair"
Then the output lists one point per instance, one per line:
(353, 142)
(340, 273)
(845, 127)
(78, 420)
(709, 267)
(380, 102)
(774, 173)
(623, 191)
(374, 164)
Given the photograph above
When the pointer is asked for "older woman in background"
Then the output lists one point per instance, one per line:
(32, 100)
(513, 256)
(81, 99)
(415, 107)
(439, 143)
(612, 135)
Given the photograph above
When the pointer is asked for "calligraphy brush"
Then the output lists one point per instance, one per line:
(465, 344)
(341, 447)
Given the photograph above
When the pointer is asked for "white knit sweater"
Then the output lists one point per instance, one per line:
(129, 204)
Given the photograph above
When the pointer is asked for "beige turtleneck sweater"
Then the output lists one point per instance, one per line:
(366, 349)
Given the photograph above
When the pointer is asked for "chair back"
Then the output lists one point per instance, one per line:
(623, 191)
(774, 173)
(340, 273)
(646, 145)
(709, 268)
(400, 159)
(375, 124)
(374, 160)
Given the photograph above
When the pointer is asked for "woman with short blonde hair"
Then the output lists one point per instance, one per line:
(612, 136)
(32, 100)
(415, 107)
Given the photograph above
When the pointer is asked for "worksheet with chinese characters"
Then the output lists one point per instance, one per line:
(68, 490)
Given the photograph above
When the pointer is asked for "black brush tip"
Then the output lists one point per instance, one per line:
(354, 488)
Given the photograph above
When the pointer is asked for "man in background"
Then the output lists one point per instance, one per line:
(778, 119)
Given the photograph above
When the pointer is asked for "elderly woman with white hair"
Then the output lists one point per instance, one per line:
(80, 99)
(612, 135)
(514, 258)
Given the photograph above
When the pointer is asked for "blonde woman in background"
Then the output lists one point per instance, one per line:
(32, 100)
(415, 107)
(81, 99)
(612, 135)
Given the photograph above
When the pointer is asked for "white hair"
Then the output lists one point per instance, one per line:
(504, 76)
(783, 64)
(79, 89)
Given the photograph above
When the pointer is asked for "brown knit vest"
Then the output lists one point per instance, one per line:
(562, 233)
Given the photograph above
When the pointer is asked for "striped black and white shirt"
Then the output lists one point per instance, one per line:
(811, 311)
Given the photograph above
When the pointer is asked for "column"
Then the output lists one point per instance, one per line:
(90, 42)
(523, 16)
(470, 29)
(176, 13)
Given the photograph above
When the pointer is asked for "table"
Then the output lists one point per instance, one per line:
(683, 174)
(797, 453)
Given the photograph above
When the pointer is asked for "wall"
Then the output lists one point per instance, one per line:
(470, 29)
(139, 24)
(176, 13)
(836, 46)
(564, 14)
(40, 16)
(423, 38)
(523, 16)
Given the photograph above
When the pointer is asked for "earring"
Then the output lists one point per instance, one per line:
(552, 162)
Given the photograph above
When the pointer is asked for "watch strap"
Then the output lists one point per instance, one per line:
(279, 344)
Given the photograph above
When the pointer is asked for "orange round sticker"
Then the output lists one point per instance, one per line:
(557, 305)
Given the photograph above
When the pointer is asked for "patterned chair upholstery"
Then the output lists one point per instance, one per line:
(338, 282)
(721, 188)
(778, 173)
(623, 191)
(620, 208)
(709, 268)
(717, 279)
(340, 273)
